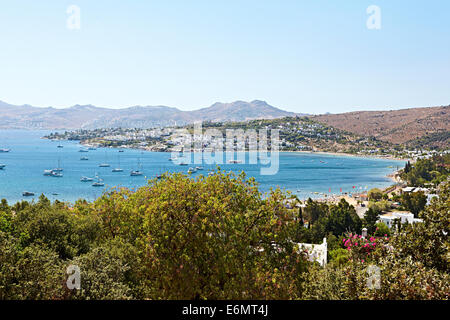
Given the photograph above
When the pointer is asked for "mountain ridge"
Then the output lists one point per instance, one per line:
(90, 116)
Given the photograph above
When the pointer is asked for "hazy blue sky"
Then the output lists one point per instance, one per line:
(303, 56)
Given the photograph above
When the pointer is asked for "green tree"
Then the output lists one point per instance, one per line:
(375, 194)
(414, 201)
(370, 220)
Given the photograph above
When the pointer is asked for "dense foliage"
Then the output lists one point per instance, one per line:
(214, 237)
(434, 170)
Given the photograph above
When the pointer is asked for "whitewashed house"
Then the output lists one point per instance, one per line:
(316, 252)
(404, 216)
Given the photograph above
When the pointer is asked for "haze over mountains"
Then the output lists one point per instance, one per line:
(90, 117)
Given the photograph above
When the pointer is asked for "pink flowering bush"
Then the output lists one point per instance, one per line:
(361, 249)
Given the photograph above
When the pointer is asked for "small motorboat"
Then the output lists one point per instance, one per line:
(83, 150)
(98, 184)
(136, 173)
(27, 194)
(60, 146)
(4, 150)
(192, 170)
(2, 166)
(86, 179)
(84, 158)
(104, 165)
(199, 168)
(117, 170)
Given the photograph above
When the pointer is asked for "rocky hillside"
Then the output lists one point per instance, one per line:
(406, 126)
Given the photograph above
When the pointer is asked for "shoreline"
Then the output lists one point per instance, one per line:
(340, 154)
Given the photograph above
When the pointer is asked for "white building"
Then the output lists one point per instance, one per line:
(404, 216)
(316, 252)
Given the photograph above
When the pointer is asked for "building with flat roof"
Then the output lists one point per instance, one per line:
(404, 217)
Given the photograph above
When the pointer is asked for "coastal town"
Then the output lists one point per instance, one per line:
(296, 134)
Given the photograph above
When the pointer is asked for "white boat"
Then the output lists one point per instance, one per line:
(2, 166)
(48, 172)
(58, 169)
(199, 168)
(118, 169)
(83, 150)
(4, 150)
(56, 174)
(84, 158)
(98, 183)
(104, 164)
(136, 173)
(234, 161)
(86, 179)
(192, 170)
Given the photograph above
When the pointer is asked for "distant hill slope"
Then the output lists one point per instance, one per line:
(90, 117)
(397, 126)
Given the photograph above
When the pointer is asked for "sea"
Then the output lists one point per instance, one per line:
(304, 174)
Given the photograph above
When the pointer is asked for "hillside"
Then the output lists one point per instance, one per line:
(90, 117)
(406, 126)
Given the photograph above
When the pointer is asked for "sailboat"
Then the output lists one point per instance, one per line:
(104, 164)
(58, 169)
(118, 169)
(98, 183)
(137, 172)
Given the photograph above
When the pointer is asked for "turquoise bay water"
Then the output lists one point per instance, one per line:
(301, 173)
